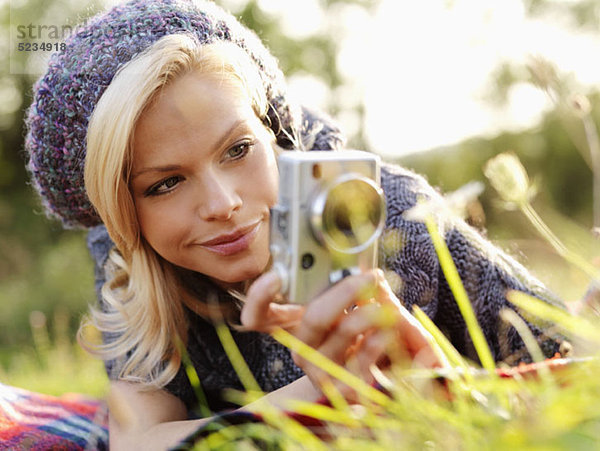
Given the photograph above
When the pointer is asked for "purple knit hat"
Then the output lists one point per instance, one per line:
(65, 97)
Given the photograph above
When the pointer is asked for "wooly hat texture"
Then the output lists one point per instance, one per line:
(66, 95)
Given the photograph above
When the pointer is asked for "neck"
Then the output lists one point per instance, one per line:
(240, 287)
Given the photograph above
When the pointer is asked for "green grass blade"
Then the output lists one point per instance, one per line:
(333, 369)
(529, 340)
(290, 427)
(453, 356)
(324, 413)
(517, 322)
(576, 325)
(572, 257)
(458, 290)
(334, 396)
(192, 375)
(237, 360)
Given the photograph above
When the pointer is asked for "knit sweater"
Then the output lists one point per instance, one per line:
(407, 254)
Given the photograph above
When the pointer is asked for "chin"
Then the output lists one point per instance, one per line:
(238, 275)
(247, 275)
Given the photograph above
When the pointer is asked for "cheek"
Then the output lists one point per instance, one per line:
(149, 224)
(270, 178)
(162, 234)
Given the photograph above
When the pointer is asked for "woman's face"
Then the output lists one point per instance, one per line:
(203, 178)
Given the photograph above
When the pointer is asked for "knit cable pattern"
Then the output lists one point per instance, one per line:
(407, 254)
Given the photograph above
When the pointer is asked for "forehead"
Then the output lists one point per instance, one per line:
(194, 111)
(196, 91)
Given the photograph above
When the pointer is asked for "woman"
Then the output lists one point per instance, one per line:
(176, 113)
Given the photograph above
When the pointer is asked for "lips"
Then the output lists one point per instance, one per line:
(232, 243)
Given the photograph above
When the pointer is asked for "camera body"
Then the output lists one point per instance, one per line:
(326, 224)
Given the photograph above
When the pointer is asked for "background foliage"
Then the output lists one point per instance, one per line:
(46, 269)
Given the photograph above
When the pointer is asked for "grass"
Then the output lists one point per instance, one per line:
(54, 364)
(559, 412)
(555, 408)
(552, 406)
(487, 413)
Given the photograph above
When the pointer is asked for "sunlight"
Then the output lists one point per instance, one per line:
(423, 70)
(428, 67)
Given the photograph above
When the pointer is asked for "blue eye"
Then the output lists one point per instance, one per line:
(164, 186)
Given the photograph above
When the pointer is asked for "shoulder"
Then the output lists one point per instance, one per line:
(403, 188)
(99, 244)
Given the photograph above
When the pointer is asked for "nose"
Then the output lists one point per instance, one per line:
(219, 199)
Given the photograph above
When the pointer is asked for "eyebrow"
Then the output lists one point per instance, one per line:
(173, 167)
(159, 169)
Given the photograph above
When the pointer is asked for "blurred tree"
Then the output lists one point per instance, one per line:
(43, 267)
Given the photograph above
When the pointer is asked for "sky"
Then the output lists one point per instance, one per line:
(441, 68)
(422, 68)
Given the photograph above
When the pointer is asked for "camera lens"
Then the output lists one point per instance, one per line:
(353, 215)
(307, 261)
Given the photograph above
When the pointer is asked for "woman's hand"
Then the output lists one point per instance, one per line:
(356, 323)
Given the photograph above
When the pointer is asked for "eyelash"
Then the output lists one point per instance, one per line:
(155, 190)
(246, 146)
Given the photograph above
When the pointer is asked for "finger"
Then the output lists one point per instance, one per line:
(325, 311)
(258, 299)
(385, 294)
(412, 335)
(371, 352)
(323, 381)
(348, 332)
(286, 316)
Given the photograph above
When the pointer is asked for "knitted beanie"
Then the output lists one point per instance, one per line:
(66, 95)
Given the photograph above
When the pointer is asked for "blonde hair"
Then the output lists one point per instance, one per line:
(144, 315)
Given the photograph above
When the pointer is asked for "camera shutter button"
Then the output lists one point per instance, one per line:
(336, 276)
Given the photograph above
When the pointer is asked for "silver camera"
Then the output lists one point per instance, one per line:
(326, 224)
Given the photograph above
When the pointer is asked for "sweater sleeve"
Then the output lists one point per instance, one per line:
(409, 259)
(99, 244)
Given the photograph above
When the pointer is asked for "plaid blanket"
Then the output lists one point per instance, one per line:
(36, 421)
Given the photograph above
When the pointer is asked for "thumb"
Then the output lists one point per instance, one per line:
(258, 299)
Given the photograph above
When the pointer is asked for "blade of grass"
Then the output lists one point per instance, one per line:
(238, 436)
(576, 325)
(334, 396)
(453, 356)
(562, 250)
(333, 369)
(324, 413)
(529, 340)
(237, 360)
(270, 414)
(290, 427)
(192, 375)
(458, 290)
